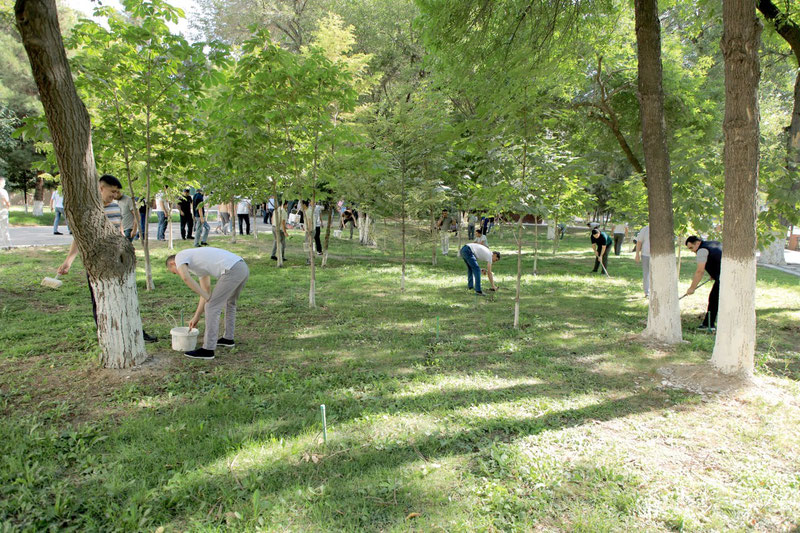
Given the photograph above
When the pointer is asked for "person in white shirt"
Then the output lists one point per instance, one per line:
(57, 206)
(243, 214)
(473, 252)
(643, 256)
(620, 232)
(480, 238)
(231, 273)
(5, 205)
(162, 212)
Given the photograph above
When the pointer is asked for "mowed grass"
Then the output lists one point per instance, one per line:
(441, 416)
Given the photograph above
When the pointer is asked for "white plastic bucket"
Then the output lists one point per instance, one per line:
(337, 233)
(184, 339)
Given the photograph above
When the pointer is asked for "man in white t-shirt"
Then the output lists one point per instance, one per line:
(162, 212)
(57, 206)
(243, 214)
(643, 255)
(473, 252)
(620, 232)
(231, 273)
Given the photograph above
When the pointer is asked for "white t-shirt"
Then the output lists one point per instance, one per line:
(4, 196)
(58, 200)
(482, 240)
(160, 202)
(481, 252)
(644, 238)
(620, 228)
(317, 213)
(208, 261)
(243, 207)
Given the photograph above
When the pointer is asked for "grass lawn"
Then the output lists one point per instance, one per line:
(441, 416)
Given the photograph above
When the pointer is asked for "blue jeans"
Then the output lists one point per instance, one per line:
(141, 226)
(127, 233)
(162, 225)
(473, 269)
(201, 232)
(59, 214)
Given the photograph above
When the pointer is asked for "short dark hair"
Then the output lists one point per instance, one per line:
(595, 231)
(170, 258)
(498, 255)
(693, 239)
(110, 180)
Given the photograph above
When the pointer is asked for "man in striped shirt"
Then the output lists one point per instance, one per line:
(110, 188)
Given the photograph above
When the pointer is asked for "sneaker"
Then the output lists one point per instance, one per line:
(480, 293)
(57, 233)
(273, 258)
(200, 353)
(148, 338)
(319, 253)
(225, 342)
(203, 244)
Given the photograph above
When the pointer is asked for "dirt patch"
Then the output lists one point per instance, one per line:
(703, 379)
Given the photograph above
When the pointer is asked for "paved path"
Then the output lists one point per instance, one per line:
(25, 236)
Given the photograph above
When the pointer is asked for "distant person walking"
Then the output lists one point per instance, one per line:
(5, 205)
(224, 223)
(473, 252)
(57, 206)
(471, 223)
(443, 225)
(185, 208)
(620, 232)
(601, 244)
(643, 255)
(130, 219)
(162, 212)
(231, 273)
(243, 214)
(279, 230)
(200, 222)
(709, 259)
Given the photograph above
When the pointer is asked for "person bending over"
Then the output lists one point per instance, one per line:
(709, 259)
(473, 252)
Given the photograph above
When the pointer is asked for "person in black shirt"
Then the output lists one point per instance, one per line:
(185, 207)
(709, 259)
(601, 244)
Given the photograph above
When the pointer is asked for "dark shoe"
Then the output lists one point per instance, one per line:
(480, 293)
(57, 233)
(274, 258)
(200, 353)
(225, 342)
(319, 253)
(203, 244)
(148, 338)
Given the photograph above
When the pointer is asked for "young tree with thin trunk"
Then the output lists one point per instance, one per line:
(664, 314)
(734, 348)
(108, 257)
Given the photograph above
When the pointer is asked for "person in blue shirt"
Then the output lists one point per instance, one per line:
(601, 244)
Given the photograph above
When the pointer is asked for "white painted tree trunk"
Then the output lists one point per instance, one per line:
(774, 253)
(119, 325)
(38, 208)
(734, 348)
(169, 227)
(551, 230)
(519, 272)
(664, 314)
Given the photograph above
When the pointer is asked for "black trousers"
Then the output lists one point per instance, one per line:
(246, 219)
(618, 238)
(317, 239)
(187, 224)
(605, 260)
(710, 319)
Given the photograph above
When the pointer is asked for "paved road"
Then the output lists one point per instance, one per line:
(25, 236)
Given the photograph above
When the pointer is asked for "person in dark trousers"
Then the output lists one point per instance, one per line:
(187, 221)
(601, 244)
(348, 218)
(709, 259)
(473, 252)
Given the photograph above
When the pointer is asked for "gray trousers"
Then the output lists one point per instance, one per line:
(225, 294)
(282, 239)
(646, 274)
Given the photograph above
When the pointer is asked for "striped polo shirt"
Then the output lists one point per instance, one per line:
(114, 214)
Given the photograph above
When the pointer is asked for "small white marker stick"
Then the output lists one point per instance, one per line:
(324, 424)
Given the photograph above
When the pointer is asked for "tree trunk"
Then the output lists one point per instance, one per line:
(108, 257)
(664, 314)
(233, 217)
(519, 272)
(25, 196)
(403, 230)
(536, 247)
(169, 224)
(734, 348)
(557, 237)
(435, 235)
(773, 254)
(312, 260)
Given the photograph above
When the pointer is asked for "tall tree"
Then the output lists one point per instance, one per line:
(108, 257)
(734, 348)
(664, 315)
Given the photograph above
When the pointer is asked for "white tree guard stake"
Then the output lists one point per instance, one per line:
(324, 424)
(119, 325)
(664, 315)
(736, 323)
